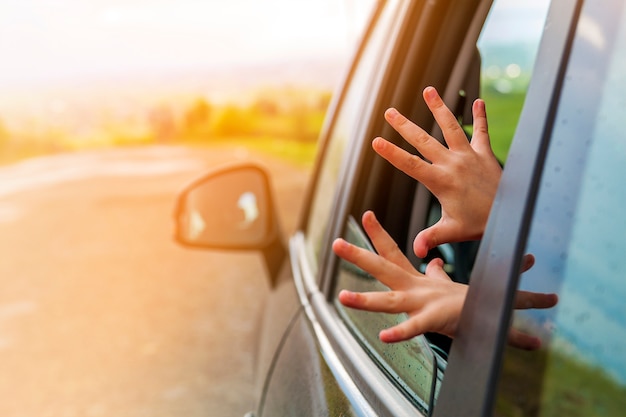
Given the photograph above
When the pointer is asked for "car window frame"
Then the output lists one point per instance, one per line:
(386, 11)
(328, 127)
(370, 379)
(450, 81)
(318, 309)
(476, 354)
(405, 95)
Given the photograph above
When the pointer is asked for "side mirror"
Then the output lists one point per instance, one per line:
(231, 208)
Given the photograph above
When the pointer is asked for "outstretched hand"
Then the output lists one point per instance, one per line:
(464, 177)
(432, 300)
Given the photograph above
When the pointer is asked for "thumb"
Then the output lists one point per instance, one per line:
(431, 237)
(424, 241)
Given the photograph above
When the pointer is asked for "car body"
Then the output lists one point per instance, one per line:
(553, 79)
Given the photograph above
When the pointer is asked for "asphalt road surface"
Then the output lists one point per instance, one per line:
(101, 312)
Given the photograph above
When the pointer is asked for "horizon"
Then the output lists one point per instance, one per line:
(72, 56)
(70, 39)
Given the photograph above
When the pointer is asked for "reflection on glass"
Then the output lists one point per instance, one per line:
(579, 238)
(226, 210)
(347, 121)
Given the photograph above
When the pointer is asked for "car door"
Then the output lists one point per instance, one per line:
(399, 57)
(401, 54)
(371, 85)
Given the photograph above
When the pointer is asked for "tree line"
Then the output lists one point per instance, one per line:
(287, 114)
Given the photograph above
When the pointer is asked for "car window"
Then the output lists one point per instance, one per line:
(578, 236)
(508, 47)
(417, 366)
(347, 122)
(411, 365)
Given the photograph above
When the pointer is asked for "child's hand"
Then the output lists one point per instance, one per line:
(432, 300)
(464, 177)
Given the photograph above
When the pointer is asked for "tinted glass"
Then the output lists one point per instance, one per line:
(411, 364)
(578, 236)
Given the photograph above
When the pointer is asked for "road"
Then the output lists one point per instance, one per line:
(101, 313)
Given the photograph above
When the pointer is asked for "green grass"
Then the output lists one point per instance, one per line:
(298, 153)
(551, 383)
(503, 111)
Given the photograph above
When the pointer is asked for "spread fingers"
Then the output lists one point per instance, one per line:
(384, 244)
(428, 146)
(385, 271)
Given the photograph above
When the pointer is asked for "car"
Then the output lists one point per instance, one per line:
(553, 79)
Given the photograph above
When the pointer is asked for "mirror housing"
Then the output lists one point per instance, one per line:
(231, 208)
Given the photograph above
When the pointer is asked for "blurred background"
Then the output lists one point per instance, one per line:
(107, 109)
(78, 75)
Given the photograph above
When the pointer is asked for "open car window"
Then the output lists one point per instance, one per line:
(417, 366)
(508, 45)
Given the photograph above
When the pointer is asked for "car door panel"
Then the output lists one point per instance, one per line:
(300, 382)
(281, 307)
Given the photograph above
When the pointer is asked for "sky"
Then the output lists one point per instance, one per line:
(44, 41)
(516, 21)
(98, 47)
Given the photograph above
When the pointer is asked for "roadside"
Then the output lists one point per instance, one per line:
(101, 313)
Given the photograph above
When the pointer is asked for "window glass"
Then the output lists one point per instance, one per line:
(412, 365)
(348, 120)
(417, 366)
(508, 47)
(578, 236)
